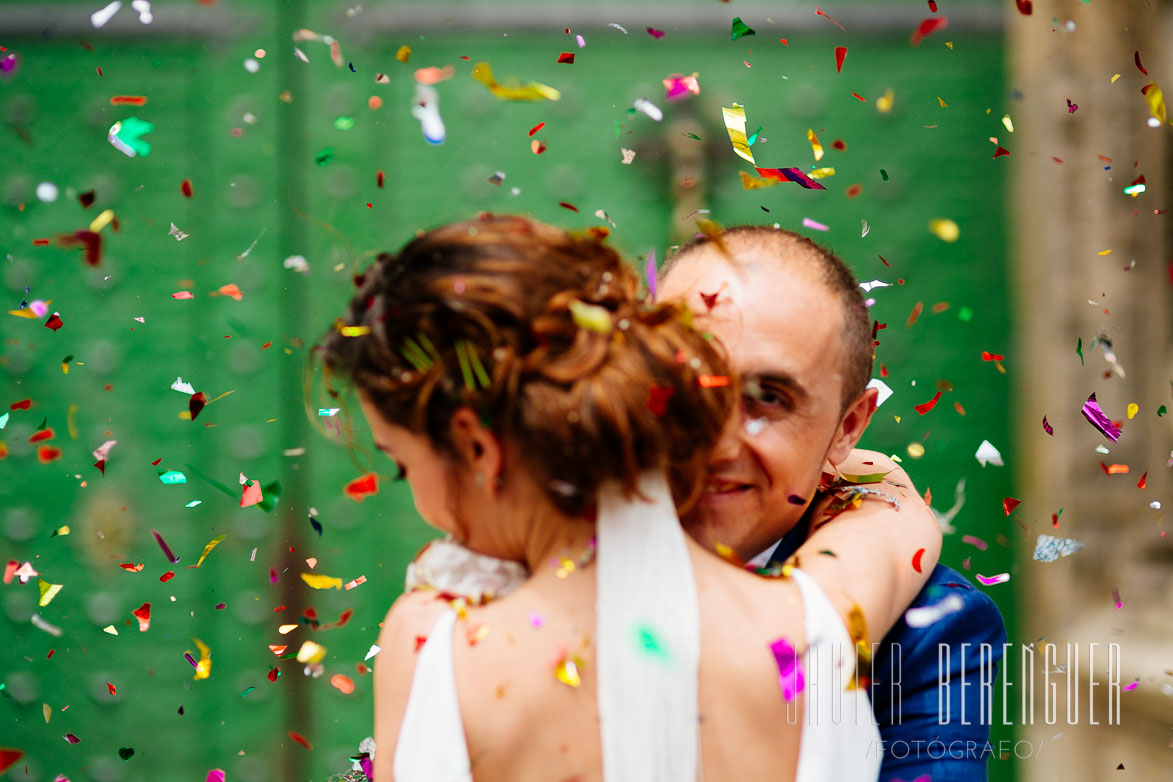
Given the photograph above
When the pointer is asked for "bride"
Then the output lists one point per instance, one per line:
(547, 419)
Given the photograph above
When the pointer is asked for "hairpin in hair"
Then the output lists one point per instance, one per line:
(422, 358)
(470, 365)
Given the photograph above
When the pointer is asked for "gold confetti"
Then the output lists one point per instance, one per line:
(403, 53)
(318, 581)
(48, 591)
(513, 90)
(1133, 409)
(310, 653)
(566, 671)
(885, 101)
(944, 229)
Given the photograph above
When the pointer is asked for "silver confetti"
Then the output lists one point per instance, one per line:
(1049, 548)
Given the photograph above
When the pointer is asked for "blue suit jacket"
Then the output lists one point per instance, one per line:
(911, 680)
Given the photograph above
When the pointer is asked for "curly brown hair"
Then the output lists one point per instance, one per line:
(543, 334)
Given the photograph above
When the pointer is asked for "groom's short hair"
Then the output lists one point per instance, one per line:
(794, 249)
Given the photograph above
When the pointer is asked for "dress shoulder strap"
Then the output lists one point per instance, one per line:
(431, 745)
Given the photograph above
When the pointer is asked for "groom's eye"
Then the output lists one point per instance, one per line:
(768, 398)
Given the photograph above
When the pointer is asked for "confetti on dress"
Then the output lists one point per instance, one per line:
(1096, 417)
(1049, 548)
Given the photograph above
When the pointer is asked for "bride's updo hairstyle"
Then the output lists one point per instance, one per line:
(542, 334)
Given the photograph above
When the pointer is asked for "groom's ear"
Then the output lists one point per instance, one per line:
(852, 426)
(476, 446)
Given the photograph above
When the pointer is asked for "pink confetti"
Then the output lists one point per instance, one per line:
(356, 582)
(817, 226)
(651, 270)
(183, 295)
(215, 775)
(166, 549)
(251, 495)
(536, 620)
(1131, 687)
(790, 677)
(1001, 578)
(1047, 427)
(977, 543)
(1096, 417)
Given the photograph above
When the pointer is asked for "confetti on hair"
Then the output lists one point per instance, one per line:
(591, 317)
(513, 90)
(1096, 417)
(1049, 549)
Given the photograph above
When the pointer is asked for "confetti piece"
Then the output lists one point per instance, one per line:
(990, 580)
(403, 54)
(143, 615)
(427, 111)
(678, 86)
(513, 90)
(816, 147)
(566, 57)
(356, 582)
(840, 56)
(1096, 417)
(1139, 67)
(1143, 480)
(1025, 7)
(99, 18)
(652, 31)
(566, 670)
(1049, 549)
(1114, 469)
(251, 494)
(207, 550)
(944, 229)
(1009, 504)
(740, 29)
(215, 775)
(204, 666)
(300, 739)
(628, 156)
(792, 175)
(820, 12)
(591, 317)
(885, 102)
(790, 675)
(343, 684)
(45, 626)
(977, 543)
(927, 28)
(48, 591)
(1133, 409)
(814, 225)
(927, 615)
(1156, 100)
(916, 560)
(929, 405)
(319, 581)
(988, 454)
(196, 404)
(647, 107)
(166, 549)
(734, 118)
(126, 136)
(1001, 152)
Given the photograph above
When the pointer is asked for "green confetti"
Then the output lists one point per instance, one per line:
(740, 29)
(246, 691)
(883, 175)
(344, 123)
(325, 156)
(649, 643)
(1079, 350)
(749, 142)
(1161, 411)
(692, 136)
(172, 477)
(127, 132)
(965, 314)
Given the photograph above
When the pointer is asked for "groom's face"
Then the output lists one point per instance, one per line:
(782, 330)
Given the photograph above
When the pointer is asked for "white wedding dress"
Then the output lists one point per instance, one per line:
(648, 715)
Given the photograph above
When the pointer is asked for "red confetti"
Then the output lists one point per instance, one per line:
(657, 34)
(131, 567)
(916, 558)
(917, 309)
(300, 739)
(273, 674)
(21, 405)
(929, 405)
(9, 757)
(1143, 480)
(1001, 151)
(128, 100)
(91, 241)
(658, 397)
(933, 6)
(251, 494)
(183, 295)
(853, 191)
(819, 12)
(536, 128)
(839, 145)
(170, 574)
(992, 356)
(1114, 469)
(840, 56)
(47, 453)
(143, 614)
(927, 28)
(566, 57)
(41, 242)
(54, 322)
(185, 188)
(565, 205)
(1141, 68)
(196, 404)
(44, 434)
(537, 146)
(111, 688)
(1009, 504)
(362, 487)
(379, 178)
(101, 465)
(1025, 7)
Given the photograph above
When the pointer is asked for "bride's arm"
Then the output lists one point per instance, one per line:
(882, 556)
(411, 618)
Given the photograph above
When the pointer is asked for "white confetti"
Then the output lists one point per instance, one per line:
(1049, 548)
(988, 454)
(868, 287)
(298, 263)
(647, 107)
(945, 518)
(183, 386)
(927, 615)
(618, 27)
(103, 450)
(882, 387)
(178, 234)
(144, 11)
(628, 155)
(375, 649)
(99, 18)
(865, 230)
(427, 111)
(41, 624)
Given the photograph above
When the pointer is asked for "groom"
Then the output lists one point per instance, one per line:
(793, 321)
